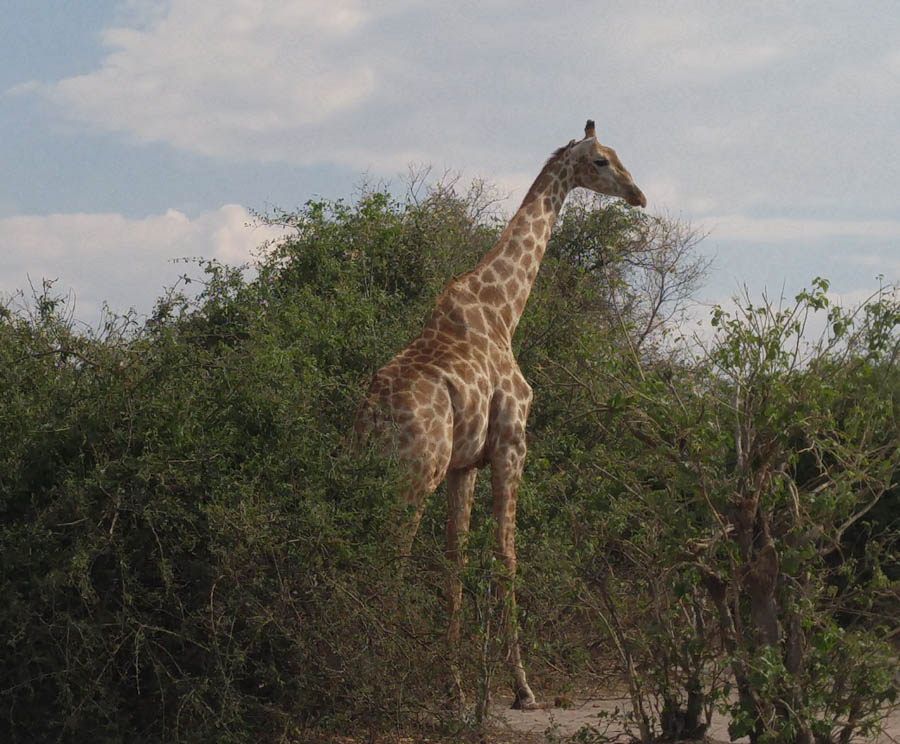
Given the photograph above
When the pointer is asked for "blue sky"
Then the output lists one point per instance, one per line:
(133, 132)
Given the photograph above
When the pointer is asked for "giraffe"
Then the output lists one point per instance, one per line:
(454, 400)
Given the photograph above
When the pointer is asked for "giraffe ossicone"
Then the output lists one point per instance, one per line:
(454, 400)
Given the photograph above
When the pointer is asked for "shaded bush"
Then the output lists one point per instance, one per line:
(732, 484)
(190, 552)
(192, 549)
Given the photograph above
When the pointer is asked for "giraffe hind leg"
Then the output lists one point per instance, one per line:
(506, 443)
(460, 495)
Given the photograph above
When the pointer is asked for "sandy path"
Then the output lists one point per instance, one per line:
(564, 722)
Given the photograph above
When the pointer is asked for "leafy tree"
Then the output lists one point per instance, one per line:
(749, 466)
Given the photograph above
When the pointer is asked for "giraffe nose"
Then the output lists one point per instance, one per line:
(636, 198)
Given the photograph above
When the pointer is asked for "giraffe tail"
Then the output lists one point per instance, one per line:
(366, 423)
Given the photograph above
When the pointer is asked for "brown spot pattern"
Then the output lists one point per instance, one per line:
(454, 399)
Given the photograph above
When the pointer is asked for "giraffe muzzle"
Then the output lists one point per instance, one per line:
(636, 198)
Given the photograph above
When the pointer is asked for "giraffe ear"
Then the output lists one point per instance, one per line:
(589, 129)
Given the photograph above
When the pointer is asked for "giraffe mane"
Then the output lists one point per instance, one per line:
(538, 183)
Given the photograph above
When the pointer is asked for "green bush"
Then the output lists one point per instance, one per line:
(751, 498)
(193, 548)
(190, 551)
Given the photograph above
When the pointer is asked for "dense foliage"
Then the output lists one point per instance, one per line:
(192, 548)
(760, 518)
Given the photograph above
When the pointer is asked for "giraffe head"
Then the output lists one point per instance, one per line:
(599, 169)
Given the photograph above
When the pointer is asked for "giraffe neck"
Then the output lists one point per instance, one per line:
(506, 274)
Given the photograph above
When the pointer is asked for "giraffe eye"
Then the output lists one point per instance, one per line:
(601, 162)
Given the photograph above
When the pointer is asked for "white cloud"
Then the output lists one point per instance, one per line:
(232, 234)
(719, 110)
(238, 78)
(782, 229)
(315, 81)
(686, 44)
(870, 79)
(725, 59)
(125, 262)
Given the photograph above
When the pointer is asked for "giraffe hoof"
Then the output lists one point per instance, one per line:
(528, 702)
(531, 705)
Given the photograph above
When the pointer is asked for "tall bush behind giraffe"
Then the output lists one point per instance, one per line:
(191, 552)
(177, 498)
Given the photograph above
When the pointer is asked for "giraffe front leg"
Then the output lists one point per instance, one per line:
(506, 472)
(410, 513)
(406, 515)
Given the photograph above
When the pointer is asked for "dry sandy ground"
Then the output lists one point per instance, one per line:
(532, 727)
